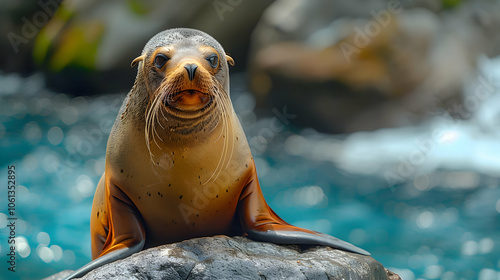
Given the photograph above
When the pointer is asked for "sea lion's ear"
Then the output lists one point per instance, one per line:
(136, 60)
(229, 59)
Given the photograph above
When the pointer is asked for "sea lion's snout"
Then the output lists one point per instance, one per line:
(190, 88)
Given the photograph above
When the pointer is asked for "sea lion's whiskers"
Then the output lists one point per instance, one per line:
(221, 113)
(226, 133)
(227, 110)
(163, 114)
(156, 121)
(217, 121)
(148, 130)
(220, 134)
(158, 107)
(152, 118)
(154, 138)
(216, 171)
(147, 120)
(166, 88)
(231, 145)
(222, 99)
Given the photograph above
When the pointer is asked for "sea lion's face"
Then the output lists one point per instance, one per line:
(184, 78)
(186, 71)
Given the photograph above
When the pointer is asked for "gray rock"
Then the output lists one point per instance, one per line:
(223, 257)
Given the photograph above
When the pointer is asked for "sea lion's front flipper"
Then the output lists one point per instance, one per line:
(124, 227)
(261, 223)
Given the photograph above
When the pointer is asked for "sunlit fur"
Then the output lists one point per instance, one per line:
(158, 116)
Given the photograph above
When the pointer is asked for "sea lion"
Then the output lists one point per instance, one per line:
(178, 164)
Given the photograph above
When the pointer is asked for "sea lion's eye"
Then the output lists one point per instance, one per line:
(160, 60)
(213, 60)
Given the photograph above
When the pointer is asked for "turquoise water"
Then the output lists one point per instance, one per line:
(439, 221)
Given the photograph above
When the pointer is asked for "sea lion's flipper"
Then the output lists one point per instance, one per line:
(261, 223)
(123, 226)
(110, 257)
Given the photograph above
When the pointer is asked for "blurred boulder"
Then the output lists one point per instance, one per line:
(87, 46)
(222, 257)
(344, 66)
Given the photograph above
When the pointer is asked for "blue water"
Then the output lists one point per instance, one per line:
(439, 221)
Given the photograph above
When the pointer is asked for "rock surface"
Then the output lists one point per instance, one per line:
(223, 257)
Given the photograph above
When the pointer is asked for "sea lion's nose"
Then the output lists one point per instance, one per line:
(191, 69)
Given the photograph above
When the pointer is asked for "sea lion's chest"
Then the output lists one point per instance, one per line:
(193, 188)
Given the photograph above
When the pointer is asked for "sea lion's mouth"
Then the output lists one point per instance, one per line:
(189, 104)
(188, 100)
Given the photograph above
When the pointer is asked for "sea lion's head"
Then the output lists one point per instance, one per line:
(184, 73)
